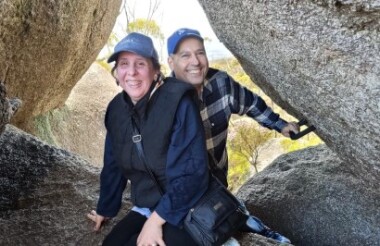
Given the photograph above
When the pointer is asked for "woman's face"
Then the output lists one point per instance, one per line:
(135, 74)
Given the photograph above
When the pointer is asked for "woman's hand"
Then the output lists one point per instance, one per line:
(97, 218)
(151, 233)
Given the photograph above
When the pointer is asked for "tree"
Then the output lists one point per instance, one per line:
(238, 170)
(129, 9)
(129, 23)
(246, 139)
(147, 27)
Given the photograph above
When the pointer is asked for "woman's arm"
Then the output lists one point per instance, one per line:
(112, 185)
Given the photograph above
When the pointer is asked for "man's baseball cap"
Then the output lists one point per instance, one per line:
(179, 35)
(136, 43)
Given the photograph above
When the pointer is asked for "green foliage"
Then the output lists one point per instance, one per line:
(104, 64)
(148, 27)
(246, 139)
(207, 39)
(307, 141)
(233, 68)
(238, 171)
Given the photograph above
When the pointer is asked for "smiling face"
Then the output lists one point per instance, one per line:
(135, 74)
(190, 62)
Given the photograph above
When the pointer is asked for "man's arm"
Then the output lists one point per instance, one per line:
(243, 101)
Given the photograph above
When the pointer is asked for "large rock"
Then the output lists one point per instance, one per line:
(46, 193)
(312, 197)
(4, 108)
(8, 107)
(79, 125)
(47, 46)
(317, 59)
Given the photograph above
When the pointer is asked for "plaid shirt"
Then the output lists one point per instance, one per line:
(221, 97)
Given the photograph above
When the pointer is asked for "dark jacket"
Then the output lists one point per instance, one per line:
(174, 146)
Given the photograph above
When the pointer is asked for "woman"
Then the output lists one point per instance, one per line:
(174, 145)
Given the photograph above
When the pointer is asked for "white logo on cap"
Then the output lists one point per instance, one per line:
(181, 31)
(131, 40)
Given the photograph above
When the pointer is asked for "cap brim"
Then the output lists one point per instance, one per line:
(113, 57)
(191, 35)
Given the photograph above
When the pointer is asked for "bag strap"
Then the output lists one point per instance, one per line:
(137, 139)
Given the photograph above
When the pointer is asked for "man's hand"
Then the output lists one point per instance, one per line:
(97, 218)
(151, 233)
(290, 127)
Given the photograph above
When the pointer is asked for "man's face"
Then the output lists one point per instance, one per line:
(190, 62)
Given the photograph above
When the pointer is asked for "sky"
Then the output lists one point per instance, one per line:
(175, 14)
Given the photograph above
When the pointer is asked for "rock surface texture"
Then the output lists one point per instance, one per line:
(318, 59)
(4, 108)
(314, 199)
(47, 46)
(46, 193)
(8, 107)
(79, 125)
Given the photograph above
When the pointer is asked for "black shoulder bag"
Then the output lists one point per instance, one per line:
(215, 217)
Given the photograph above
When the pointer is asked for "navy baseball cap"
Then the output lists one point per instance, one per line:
(179, 35)
(136, 43)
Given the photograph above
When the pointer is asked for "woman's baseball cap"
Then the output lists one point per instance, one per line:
(136, 43)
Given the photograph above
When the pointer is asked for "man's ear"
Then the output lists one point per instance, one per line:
(170, 62)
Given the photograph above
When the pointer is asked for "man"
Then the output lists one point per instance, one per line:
(220, 97)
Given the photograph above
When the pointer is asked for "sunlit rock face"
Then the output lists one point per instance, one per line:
(317, 59)
(46, 46)
(312, 197)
